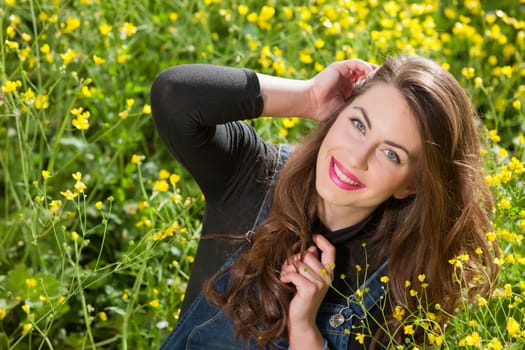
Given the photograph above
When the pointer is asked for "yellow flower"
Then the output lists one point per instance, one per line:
(10, 32)
(161, 186)
(11, 86)
(495, 344)
(130, 102)
(15, 19)
(13, 45)
(507, 290)
(242, 10)
(42, 102)
(399, 313)
(164, 174)
(45, 49)
(26, 37)
(288, 123)
(266, 13)
(513, 327)
(72, 23)
(505, 204)
(80, 187)
(435, 339)
(26, 328)
(146, 109)
(174, 178)
(68, 56)
(421, 277)
(491, 236)
(46, 174)
(31, 282)
(478, 82)
(473, 339)
(98, 60)
(493, 134)
(516, 104)
(154, 303)
(26, 308)
(3, 314)
(136, 159)
(384, 279)
(122, 57)
(481, 301)
(409, 329)
(103, 316)
(74, 236)
(319, 43)
(81, 122)
(360, 338)
(69, 195)
(104, 29)
(174, 16)
(305, 57)
(28, 96)
(127, 30)
(77, 176)
(54, 206)
(468, 72)
(98, 205)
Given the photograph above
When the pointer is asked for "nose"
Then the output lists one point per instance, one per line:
(359, 156)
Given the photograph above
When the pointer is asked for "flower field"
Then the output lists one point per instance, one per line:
(99, 224)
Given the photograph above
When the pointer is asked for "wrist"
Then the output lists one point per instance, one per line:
(306, 338)
(285, 97)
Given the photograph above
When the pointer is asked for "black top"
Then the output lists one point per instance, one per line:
(198, 111)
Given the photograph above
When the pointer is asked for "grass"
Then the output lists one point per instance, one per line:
(99, 223)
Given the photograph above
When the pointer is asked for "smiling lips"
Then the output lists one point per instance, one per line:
(342, 177)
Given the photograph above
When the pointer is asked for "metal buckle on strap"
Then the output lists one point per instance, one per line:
(248, 235)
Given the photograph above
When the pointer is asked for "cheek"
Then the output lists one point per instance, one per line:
(387, 177)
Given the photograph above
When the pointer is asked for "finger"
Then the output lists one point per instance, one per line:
(304, 278)
(327, 250)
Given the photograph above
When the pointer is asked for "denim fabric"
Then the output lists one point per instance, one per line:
(204, 326)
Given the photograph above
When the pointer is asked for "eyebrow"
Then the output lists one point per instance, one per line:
(390, 143)
(363, 112)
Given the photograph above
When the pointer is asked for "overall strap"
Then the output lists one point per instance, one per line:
(264, 210)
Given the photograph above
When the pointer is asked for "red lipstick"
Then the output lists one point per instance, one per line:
(342, 177)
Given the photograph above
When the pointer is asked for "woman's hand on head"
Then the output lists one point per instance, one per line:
(312, 277)
(330, 88)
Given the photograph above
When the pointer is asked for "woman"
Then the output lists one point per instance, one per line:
(389, 184)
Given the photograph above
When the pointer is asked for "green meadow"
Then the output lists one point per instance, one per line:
(99, 225)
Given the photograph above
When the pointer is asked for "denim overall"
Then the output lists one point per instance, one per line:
(205, 327)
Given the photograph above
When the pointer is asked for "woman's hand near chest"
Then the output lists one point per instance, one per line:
(312, 276)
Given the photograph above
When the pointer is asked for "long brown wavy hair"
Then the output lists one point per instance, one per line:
(449, 215)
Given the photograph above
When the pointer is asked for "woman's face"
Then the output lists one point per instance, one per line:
(370, 153)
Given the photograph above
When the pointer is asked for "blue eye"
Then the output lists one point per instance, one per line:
(392, 156)
(359, 126)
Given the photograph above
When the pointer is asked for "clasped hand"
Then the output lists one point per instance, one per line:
(311, 275)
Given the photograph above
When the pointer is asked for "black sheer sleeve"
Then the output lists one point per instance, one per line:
(198, 109)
